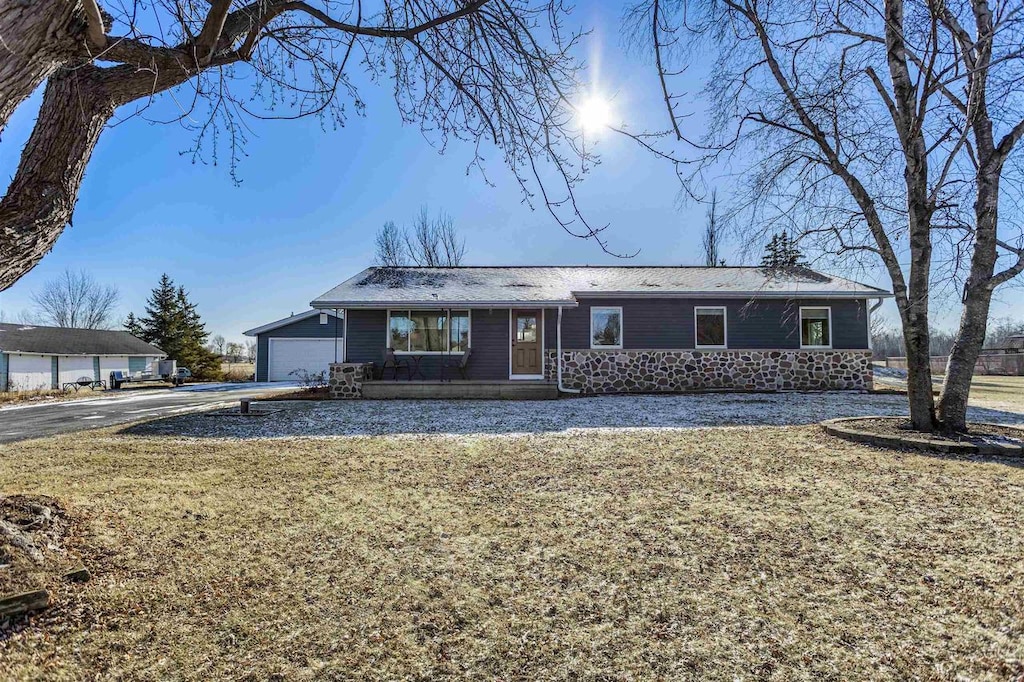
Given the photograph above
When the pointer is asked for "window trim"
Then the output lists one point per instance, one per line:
(725, 327)
(622, 327)
(448, 336)
(800, 327)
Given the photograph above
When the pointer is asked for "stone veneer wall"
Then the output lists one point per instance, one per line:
(649, 371)
(346, 379)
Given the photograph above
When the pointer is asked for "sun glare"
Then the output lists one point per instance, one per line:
(595, 114)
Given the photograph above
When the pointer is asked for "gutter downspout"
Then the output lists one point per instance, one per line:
(558, 357)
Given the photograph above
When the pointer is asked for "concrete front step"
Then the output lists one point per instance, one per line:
(460, 390)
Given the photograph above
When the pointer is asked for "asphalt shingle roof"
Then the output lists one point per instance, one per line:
(564, 284)
(25, 338)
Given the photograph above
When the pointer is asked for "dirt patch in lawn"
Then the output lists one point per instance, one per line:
(298, 394)
(741, 553)
(37, 548)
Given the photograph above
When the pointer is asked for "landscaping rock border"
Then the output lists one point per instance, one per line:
(841, 428)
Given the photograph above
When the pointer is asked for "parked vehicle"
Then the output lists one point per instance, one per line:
(159, 371)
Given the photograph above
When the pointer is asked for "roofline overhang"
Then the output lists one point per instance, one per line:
(84, 355)
(285, 321)
(433, 305)
(733, 294)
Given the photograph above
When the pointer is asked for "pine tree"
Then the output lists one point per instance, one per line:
(782, 253)
(172, 323)
(132, 326)
(161, 326)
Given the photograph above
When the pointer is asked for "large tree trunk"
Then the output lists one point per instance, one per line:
(39, 203)
(970, 338)
(916, 338)
(76, 107)
(36, 37)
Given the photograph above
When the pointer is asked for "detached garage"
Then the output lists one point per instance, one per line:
(307, 342)
(34, 358)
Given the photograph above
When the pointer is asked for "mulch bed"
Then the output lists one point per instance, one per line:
(301, 394)
(980, 438)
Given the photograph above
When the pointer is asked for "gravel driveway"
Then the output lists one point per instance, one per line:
(370, 417)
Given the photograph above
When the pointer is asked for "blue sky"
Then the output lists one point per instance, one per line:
(311, 200)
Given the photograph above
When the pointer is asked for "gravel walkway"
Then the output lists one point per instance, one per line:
(370, 418)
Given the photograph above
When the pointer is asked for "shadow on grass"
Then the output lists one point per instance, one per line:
(466, 417)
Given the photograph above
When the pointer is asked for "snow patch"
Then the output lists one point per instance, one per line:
(469, 417)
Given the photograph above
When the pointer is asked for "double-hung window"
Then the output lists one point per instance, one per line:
(709, 327)
(815, 327)
(605, 327)
(428, 331)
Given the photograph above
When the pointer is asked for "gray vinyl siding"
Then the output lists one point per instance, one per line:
(489, 340)
(367, 335)
(751, 325)
(647, 324)
(309, 328)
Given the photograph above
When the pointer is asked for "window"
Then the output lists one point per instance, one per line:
(323, 318)
(460, 331)
(428, 331)
(709, 327)
(815, 327)
(606, 327)
(526, 329)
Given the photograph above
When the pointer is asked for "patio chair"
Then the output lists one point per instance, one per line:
(393, 363)
(457, 363)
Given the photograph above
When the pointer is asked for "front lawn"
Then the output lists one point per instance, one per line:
(747, 553)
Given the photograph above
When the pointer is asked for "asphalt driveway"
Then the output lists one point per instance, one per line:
(21, 422)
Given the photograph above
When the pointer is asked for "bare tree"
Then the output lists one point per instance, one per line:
(217, 344)
(713, 234)
(250, 350)
(498, 75)
(427, 242)
(76, 300)
(434, 243)
(390, 246)
(883, 132)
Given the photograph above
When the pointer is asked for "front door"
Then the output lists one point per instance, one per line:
(526, 343)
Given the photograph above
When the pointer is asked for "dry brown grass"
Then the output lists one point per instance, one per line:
(45, 396)
(769, 553)
(237, 371)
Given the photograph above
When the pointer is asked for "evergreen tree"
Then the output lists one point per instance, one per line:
(782, 253)
(132, 326)
(172, 323)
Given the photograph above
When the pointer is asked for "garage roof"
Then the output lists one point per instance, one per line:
(565, 285)
(284, 322)
(24, 338)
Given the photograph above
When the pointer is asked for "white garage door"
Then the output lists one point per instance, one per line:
(72, 368)
(289, 355)
(29, 372)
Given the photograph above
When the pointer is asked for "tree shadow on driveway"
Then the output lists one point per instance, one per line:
(468, 417)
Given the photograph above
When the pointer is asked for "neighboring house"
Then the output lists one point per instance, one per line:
(610, 329)
(307, 342)
(34, 358)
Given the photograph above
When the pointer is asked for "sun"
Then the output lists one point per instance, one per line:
(594, 113)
